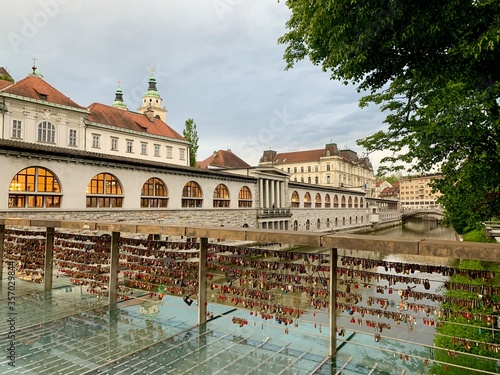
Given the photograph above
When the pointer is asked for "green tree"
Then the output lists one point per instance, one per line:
(191, 135)
(433, 66)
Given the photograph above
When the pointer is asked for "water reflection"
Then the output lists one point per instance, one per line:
(419, 229)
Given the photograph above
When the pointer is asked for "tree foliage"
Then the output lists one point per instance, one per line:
(434, 67)
(191, 135)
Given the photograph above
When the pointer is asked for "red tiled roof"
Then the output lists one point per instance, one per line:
(298, 156)
(4, 84)
(107, 115)
(223, 159)
(36, 88)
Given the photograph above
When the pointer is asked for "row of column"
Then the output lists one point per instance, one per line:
(272, 192)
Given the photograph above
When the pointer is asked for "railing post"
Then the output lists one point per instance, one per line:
(333, 301)
(202, 282)
(113, 268)
(49, 257)
(2, 238)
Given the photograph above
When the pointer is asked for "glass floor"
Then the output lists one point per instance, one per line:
(67, 331)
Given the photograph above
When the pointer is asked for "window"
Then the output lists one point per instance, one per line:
(34, 187)
(72, 137)
(169, 152)
(130, 146)
(157, 150)
(309, 168)
(96, 141)
(288, 170)
(328, 167)
(307, 200)
(335, 201)
(221, 196)
(327, 201)
(154, 193)
(301, 169)
(328, 179)
(144, 148)
(308, 180)
(295, 226)
(182, 154)
(114, 144)
(17, 129)
(316, 180)
(191, 195)
(104, 191)
(317, 201)
(295, 199)
(308, 224)
(316, 168)
(245, 198)
(46, 132)
(294, 169)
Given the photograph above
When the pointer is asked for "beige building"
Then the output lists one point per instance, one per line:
(35, 112)
(416, 193)
(327, 167)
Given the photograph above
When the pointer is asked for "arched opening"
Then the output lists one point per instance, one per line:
(191, 195)
(34, 187)
(245, 198)
(221, 196)
(154, 193)
(295, 225)
(327, 201)
(104, 191)
(343, 202)
(335, 201)
(307, 200)
(308, 224)
(318, 224)
(317, 201)
(295, 199)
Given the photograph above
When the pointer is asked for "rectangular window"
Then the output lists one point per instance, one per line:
(114, 144)
(72, 137)
(96, 141)
(169, 152)
(182, 154)
(157, 150)
(144, 148)
(130, 146)
(17, 129)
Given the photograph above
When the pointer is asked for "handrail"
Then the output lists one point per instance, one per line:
(423, 247)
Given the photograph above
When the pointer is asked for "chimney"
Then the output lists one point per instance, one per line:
(150, 113)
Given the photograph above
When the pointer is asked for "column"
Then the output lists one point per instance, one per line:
(2, 238)
(261, 193)
(273, 193)
(202, 282)
(49, 255)
(113, 268)
(268, 197)
(333, 302)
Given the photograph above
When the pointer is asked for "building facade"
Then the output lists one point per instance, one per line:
(327, 167)
(64, 161)
(416, 192)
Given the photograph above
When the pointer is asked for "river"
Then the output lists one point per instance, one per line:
(419, 229)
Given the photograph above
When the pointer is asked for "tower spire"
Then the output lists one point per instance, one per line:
(152, 101)
(119, 103)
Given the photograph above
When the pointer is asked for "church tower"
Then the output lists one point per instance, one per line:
(119, 103)
(151, 101)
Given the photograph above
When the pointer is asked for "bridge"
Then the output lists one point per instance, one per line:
(421, 212)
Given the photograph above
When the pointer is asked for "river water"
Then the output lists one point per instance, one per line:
(419, 229)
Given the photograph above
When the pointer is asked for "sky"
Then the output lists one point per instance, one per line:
(216, 61)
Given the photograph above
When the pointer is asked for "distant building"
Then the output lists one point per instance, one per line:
(327, 167)
(222, 159)
(416, 193)
(391, 191)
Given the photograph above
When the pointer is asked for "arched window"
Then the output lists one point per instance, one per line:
(318, 224)
(327, 201)
(356, 220)
(328, 222)
(191, 195)
(317, 200)
(343, 221)
(361, 202)
(362, 220)
(221, 196)
(343, 202)
(308, 180)
(307, 200)
(336, 222)
(328, 180)
(46, 132)
(308, 224)
(245, 197)
(34, 187)
(349, 202)
(355, 202)
(295, 199)
(316, 180)
(335, 201)
(295, 225)
(104, 190)
(154, 193)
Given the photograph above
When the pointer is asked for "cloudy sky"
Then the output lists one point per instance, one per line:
(216, 61)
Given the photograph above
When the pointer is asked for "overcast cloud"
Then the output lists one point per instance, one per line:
(216, 61)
